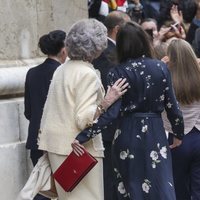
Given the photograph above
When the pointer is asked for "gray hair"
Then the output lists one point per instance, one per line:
(86, 40)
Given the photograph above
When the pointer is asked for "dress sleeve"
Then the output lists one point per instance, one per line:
(173, 111)
(27, 103)
(105, 119)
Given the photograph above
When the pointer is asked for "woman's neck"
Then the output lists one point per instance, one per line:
(55, 58)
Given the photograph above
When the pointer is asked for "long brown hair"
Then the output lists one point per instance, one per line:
(185, 71)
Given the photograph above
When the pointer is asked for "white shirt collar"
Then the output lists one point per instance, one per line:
(113, 41)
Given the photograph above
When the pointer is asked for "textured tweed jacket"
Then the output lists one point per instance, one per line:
(74, 94)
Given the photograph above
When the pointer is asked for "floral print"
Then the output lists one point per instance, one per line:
(157, 155)
(146, 186)
(163, 152)
(142, 164)
(120, 185)
(144, 128)
(117, 133)
(126, 154)
(121, 188)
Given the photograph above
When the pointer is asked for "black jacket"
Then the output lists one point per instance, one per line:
(36, 89)
(104, 63)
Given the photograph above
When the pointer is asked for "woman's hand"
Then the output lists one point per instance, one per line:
(77, 148)
(161, 35)
(114, 92)
(176, 15)
(176, 143)
(165, 59)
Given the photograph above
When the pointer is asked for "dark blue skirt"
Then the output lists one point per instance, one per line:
(142, 159)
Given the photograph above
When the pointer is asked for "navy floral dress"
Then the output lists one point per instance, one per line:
(141, 156)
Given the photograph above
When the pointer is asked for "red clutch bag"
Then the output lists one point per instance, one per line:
(73, 169)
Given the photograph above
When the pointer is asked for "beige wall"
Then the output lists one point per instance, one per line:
(22, 22)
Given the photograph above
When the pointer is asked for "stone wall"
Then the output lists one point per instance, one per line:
(22, 23)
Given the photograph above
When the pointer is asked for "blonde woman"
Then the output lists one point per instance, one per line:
(185, 73)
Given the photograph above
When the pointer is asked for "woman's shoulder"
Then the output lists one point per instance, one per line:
(139, 62)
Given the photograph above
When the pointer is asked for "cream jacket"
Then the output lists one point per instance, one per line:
(39, 181)
(74, 93)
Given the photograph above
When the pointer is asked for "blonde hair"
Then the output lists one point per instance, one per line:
(185, 71)
(161, 50)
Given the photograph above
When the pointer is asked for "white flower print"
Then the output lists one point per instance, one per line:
(131, 156)
(163, 152)
(169, 105)
(117, 172)
(123, 155)
(146, 186)
(128, 68)
(126, 154)
(134, 64)
(117, 133)
(170, 184)
(153, 165)
(98, 130)
(164, 80)
(167, 88)
(133, 106)
(177, 121)
(142, 72)
(162, 97)
(144, 128)
(148, 77)
(138, 136)
(121, 188)
(154, 155)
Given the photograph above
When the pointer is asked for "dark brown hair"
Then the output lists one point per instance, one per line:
(133, 42)
(52, 43)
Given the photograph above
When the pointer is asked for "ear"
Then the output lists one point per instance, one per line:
(116, 29)
(63, 54)
(63, 51)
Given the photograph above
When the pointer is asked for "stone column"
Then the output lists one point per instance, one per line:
(22, 24)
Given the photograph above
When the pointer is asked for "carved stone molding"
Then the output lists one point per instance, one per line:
(12, 77)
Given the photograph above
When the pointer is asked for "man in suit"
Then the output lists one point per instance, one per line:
(104, 63)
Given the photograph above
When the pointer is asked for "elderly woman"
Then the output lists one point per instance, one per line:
(75, 99)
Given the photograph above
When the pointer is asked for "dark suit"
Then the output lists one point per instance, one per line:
(36, 89)
(104, 63)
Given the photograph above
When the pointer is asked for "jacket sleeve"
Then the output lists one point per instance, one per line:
(86, 92)
(27, 103)
(104, 120)
(173, 111)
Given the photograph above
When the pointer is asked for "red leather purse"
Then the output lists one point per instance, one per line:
(73, 170)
